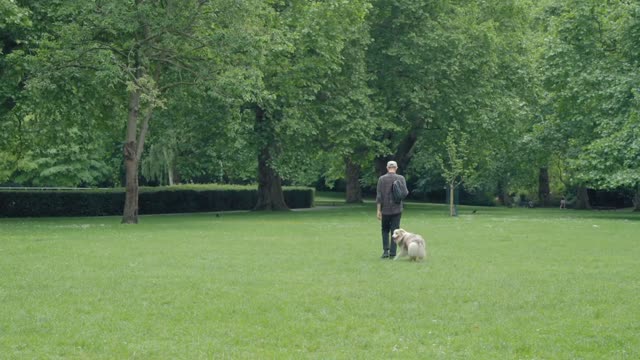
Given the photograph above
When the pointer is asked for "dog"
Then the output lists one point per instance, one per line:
(411, 245)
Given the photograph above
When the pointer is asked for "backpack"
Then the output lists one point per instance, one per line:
(398, 191)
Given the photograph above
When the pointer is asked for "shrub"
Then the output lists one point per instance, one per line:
(161, 200)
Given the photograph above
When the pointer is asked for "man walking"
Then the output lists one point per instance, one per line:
(389, 212)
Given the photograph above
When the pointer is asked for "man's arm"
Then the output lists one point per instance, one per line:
(379, 199)
(404, 184)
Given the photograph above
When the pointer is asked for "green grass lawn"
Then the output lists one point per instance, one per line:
(498, 284)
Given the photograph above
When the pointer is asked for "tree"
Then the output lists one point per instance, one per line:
(349, 119)
(592, 75)
(611, 161)
(442, 64)
(456, 164)
(201, 137)
(45, 125)
(145, 48)
(304, 42)
(14, 26)
(407, 59)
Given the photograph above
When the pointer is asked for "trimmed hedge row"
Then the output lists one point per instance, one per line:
(163, 200)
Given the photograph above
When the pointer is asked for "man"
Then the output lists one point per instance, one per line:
(389, 212)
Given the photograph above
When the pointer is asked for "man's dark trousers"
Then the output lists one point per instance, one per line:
(389, 223)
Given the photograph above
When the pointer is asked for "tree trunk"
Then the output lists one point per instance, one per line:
(543, 186)
(582, 199)
(354, 191)
(636, 199)
(130, 213)
(404, 153)
(503, 194)
(170, 174)
(380, 164)
(270, 195)
(168, 160)
(177, 179)
(402, 156)
(452, 207)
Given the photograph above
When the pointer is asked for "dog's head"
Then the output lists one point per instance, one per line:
(398, 235)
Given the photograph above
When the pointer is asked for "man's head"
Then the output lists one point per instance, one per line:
(392, 166)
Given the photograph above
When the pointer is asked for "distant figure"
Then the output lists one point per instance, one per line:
(563, 203)
(388, 211)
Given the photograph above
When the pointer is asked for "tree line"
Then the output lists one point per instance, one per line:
(501, 96)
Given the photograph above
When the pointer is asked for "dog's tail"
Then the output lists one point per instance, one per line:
(416, 250)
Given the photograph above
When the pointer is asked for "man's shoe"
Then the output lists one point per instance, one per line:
(392, 256)
(385, 255)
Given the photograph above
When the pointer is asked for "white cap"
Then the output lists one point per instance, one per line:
(392, 164)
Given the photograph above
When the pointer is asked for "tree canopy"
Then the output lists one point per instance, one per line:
(524, 98)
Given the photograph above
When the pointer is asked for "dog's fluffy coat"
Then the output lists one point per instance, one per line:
(410, 244)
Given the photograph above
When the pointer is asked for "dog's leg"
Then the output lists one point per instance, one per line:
(403, 252)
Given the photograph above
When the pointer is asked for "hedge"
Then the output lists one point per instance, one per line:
(151, 200)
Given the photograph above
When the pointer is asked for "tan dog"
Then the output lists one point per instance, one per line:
(411, 245)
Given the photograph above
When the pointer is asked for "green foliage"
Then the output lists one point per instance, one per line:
(592, 76)
(160, 162)
(443, 64)
(528, 84)
(86, 61)
(58, 130)
(315, 52)
(12, 15)
(611, 161)
(457, 166)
